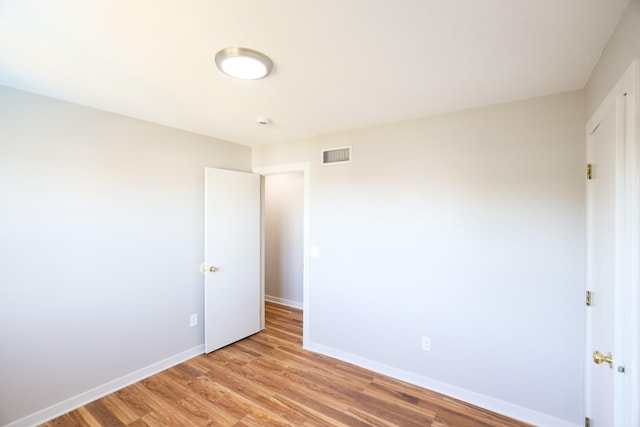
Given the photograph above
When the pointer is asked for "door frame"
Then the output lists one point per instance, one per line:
(629, 280)
(280, 169)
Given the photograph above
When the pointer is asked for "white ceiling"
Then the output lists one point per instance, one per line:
(339, 64)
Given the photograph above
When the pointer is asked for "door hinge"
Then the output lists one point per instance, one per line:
(589, 171)
(588, 298)
(587, 422)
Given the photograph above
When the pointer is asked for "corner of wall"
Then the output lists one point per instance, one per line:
(622, 48)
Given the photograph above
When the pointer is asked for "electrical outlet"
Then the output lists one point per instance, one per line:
(193, 320)
(426, 343)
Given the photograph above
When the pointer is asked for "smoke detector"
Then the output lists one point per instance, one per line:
(263, 121)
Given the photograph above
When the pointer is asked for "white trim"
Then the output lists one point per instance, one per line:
(632, 293)
(628, 335)
(483, 401)
(287, 168)
(263, 243)
(89, 396)
(283, 301)
(305, 169)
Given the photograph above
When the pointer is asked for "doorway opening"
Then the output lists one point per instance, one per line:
(285, 237)
(283, 219)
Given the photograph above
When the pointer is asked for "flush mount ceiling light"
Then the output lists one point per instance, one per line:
(243, 63)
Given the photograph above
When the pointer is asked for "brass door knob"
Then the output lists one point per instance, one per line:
(598, 358)
(213, 269)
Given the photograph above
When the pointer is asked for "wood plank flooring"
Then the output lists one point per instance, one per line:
(269, 380)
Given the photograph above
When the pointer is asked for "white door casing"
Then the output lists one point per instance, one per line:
(232, 257)
(611, 392)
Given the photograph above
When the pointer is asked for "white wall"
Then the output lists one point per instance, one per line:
(283, 237)
(468, 228)
(623, 47)
(101, 238)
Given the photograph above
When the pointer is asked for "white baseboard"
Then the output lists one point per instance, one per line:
(490, 403)
(283, 301)
(82, 399)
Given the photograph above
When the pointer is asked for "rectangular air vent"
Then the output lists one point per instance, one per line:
(336, 155)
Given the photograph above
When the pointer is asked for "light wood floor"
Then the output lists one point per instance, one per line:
(268, 380)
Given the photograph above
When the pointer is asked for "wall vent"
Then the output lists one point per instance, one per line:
(336, 155)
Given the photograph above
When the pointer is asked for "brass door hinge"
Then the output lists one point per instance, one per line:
(589, 171)
(587, 422)
(588, 298)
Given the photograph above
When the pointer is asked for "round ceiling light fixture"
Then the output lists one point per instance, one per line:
(243, 63)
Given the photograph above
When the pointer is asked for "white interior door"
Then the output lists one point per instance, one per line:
(603, 243)
(232, 257)
(612, 377)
